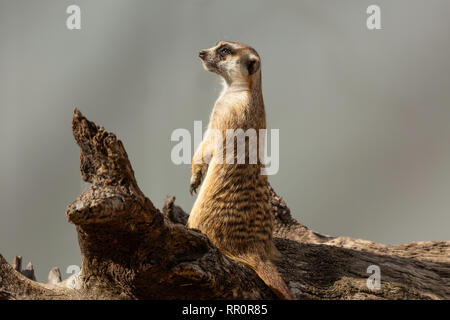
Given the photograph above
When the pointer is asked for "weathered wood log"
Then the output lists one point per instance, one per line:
(17, 263)
(54, 276)
(27, 272)
(131, 250)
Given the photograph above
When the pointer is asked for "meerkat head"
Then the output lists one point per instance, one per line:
(234, 61)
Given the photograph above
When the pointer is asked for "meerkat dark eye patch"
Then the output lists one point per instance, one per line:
(225, 50)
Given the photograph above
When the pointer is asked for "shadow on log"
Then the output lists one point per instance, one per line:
(131, 250)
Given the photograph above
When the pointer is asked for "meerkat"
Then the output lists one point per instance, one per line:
(232, 207)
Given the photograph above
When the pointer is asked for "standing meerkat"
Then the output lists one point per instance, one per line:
(232, 207)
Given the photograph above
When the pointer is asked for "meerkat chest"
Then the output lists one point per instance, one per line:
(230, 110)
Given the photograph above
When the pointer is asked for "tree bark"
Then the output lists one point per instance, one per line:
(132, 250)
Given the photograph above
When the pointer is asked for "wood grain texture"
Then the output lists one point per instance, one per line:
(132, 250)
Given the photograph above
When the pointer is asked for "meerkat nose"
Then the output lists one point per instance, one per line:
(202, 54)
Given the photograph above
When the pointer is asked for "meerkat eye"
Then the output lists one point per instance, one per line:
(223, 51)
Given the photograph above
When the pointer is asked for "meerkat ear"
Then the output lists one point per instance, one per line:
(252, 63)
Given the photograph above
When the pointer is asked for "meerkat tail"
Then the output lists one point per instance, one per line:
(267, 271)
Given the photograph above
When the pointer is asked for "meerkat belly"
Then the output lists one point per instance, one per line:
(233, 209)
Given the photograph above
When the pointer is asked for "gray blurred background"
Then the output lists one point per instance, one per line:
(364, 116)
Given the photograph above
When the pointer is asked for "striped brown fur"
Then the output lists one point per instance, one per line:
(232, 207)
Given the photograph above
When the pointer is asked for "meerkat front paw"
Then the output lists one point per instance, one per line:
(196, 180)
(198, 173)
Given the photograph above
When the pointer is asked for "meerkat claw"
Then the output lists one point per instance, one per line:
(193, 185)
(192, 190)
